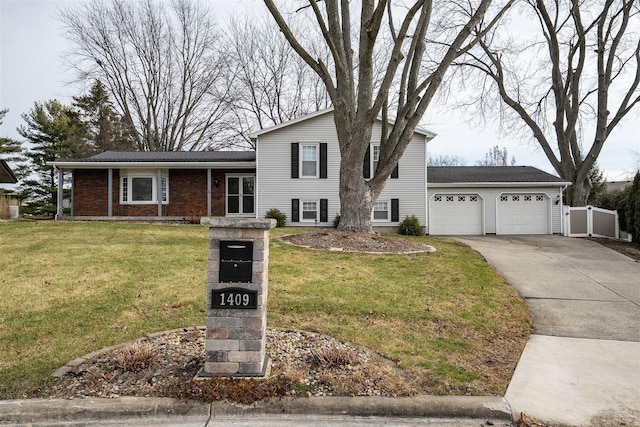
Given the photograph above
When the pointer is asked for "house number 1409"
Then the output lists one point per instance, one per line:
(234, 298)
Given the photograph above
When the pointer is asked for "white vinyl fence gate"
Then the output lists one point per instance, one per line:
(590, 221)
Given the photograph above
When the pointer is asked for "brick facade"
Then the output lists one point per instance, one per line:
(187, 194)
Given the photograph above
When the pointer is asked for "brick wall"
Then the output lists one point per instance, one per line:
(187, 194)
(90, 196)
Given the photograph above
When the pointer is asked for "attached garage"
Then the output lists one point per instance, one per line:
(465, 200)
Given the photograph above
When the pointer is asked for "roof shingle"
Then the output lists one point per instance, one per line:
(480, 174)
(172, 156)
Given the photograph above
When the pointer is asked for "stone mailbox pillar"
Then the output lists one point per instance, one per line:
(237, 291)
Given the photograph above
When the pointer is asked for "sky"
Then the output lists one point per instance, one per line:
(31, 70)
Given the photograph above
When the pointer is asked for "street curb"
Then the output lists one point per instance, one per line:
(27, 411)
(41, 410)
(417, 406)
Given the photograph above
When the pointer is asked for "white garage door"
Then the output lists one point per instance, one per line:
(455, 214)
(523, 214)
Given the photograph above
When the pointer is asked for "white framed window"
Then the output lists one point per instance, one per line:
(141, 187)
(309, 211)
(375, 158)
(381, 211)
(241, 195)
(309, 160)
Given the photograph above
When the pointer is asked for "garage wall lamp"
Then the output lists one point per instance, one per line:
(557, 200)
(216, 182)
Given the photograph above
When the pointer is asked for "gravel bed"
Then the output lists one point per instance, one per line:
(312, 365)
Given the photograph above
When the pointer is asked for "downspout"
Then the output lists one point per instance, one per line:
(562, 215)
(426, 185)
(60, 194)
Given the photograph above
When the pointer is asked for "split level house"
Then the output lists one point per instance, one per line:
(295, 168)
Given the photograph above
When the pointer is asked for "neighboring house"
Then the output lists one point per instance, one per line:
(611, 186)
(6, 174)
(165, 185)
(298, 172)
(296, 168)
(494, 199)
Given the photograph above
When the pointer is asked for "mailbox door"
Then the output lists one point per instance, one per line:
(236, 250)
(236, 271)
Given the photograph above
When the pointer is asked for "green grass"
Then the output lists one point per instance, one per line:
(67, 289)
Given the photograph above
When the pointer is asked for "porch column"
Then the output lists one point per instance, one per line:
(110, 192)
(208, 192)
(73, 191)
(159, 191)
(60, 193)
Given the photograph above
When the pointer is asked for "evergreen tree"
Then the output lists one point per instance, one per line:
(598, 185)
(9, 148)
(52, 130)
(632, 202)
(100, 125)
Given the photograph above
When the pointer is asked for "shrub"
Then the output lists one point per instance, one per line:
(334, 357)
(411, 227)
(135, 358)
(336, 221)
(281, 219)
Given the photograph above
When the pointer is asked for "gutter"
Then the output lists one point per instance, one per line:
(496, 184)
(153, 165)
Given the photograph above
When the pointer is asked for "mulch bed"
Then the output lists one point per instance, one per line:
(630, 249)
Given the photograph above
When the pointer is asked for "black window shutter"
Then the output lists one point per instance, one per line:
(295, 152)
(395, 210)
(324, 215)
(323, 160)
(366, 166)
(295, 210)
(394, 174)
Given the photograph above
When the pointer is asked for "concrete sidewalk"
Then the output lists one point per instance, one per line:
(583, 366)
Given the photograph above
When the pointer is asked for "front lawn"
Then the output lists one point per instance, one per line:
(67, 289)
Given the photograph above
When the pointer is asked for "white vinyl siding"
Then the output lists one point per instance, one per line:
(276, 188)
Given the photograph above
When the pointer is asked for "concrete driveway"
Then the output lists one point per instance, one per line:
(582, 368)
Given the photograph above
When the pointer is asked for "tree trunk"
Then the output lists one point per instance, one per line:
(356, 196)
(578, 193)
(355, 199)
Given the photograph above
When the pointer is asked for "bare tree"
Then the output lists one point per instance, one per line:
(407, 68)
(445, 160)
(497, 157)
(160, 63)
(561, 84)
(271, 84)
